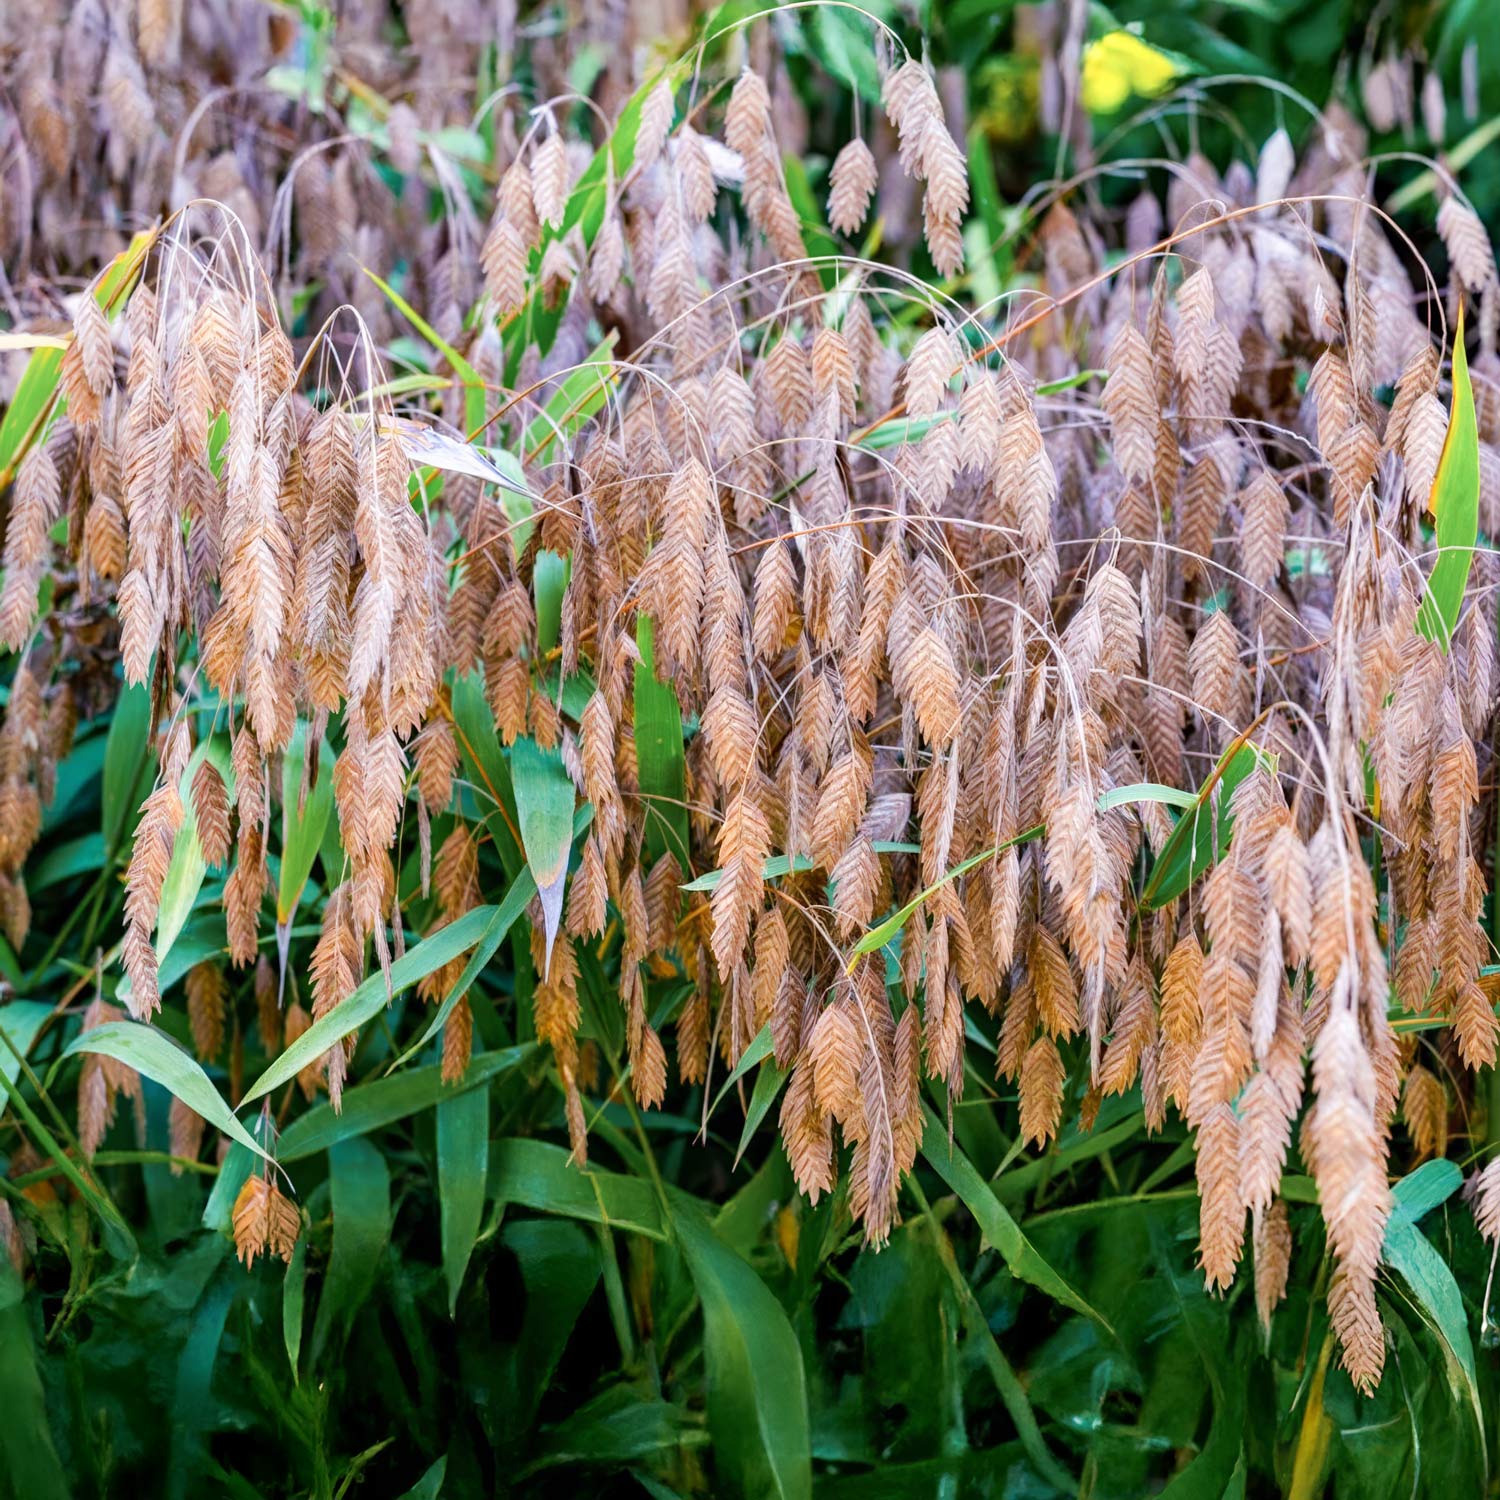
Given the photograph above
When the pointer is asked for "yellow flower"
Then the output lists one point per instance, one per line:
(1120, 64)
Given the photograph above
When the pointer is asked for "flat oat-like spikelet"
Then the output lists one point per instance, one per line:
(205, 1001)
(807, 1134)
(185, 1129)
(1469, 248)
(458, 1042)
(1129, 400)
(1424, 1107)
(549, 180)
(1272, 1239)
(1221, 1228)
(1348, 1166)
(211, 812)
(266, 1222)
(744, 843)
(851, 184)
(34, 507)
(1042, 1077)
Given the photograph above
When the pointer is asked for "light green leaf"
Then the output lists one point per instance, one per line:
(371, 997)
(760, 1048)
(463, 1149)
(154, 1055)
(302, 826)
(1430, 1281)
(1422, 1190)
(660, 765)
(1192, 847)
(787, 864)
(581, 393)
(768, 1084)
(473, 382)
(877, 937)
(193, 1405)
(185, 873)
(126, 759)
(1454, 505)
(549, 581)
(30, 1461)
(544, 807)
(430, 1485)
(1145, 791)
(293, 1303)
(22, 1020)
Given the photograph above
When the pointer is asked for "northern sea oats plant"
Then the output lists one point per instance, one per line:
(831, 674)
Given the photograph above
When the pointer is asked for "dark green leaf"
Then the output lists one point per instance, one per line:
(372, 1106)
(994, 1219)
(543, 1177)
(463, 1148)
(757, 1395)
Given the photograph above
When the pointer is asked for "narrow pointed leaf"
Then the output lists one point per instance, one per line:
(1201, 837)
(154, 1055)
(370, 998)
(757, 1392)
(463, 1149)
(1000, 1229)
(302, 826)
(660, 764)
(544, 805)
(1454, 505)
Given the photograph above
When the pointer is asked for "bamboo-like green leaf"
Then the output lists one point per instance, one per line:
(486, 767)
(549, 580)
(760, 1048)
(877, 937)
(370, 998)
(30, 1460)
(34, 392)
(1454, 505)
(360, 1190)
(473, 382)
(1430, 1280)
(581, 393)
(126, 761)
(787, 864)
(293, 1303)
(192, 1404)
(463, 1149)
(22, 1020)
(1145, 791)
(371, 1106)
(430, 1485)
(1000, 1229)
(757, 1392)
(1201, 837)
(660, 764)
(768, 1084)
(24, 423)
(237, 1165)
(541, 1176)
(185, 873)
(302, 822)
(153, 1054)
(544, 805)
